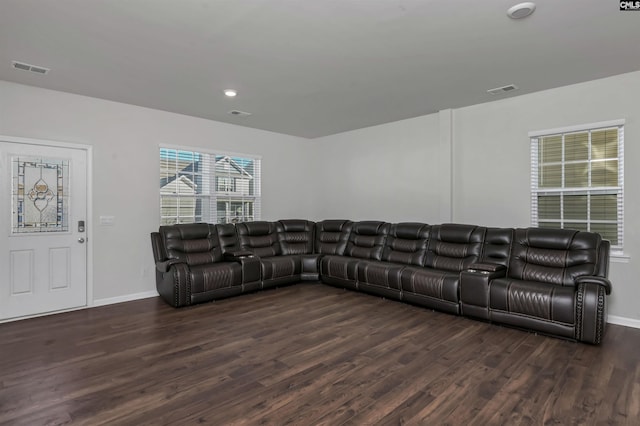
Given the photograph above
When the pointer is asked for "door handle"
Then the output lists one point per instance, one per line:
(81, 240)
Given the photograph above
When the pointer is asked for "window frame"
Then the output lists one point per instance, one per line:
(210, 200)
(536, 190)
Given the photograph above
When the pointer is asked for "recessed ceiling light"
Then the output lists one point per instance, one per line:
(230, 93)
(521, 10)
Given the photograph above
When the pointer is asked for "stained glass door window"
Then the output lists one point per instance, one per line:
(40, 195)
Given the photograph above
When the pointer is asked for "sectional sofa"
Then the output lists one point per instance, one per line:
(551, 281)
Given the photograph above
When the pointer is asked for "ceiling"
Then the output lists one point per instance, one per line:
(312, 67)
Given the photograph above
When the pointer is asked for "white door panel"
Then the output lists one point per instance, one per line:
(43, 257)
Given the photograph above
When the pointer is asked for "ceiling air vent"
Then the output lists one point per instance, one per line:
(237, 113)
(503, 89)
(28, 67)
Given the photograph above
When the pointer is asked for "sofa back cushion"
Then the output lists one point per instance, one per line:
(453, 247)
(259, 237)
(407, 243)
(554, 256)
(497, 246)
(295, 236)
(194, 243)
(332, 236)
(367, 240)
(228, 237)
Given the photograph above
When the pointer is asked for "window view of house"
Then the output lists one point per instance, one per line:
(235, 189)
(208, 187)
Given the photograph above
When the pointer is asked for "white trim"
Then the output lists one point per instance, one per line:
(42, 314)
(89, 224)
(125, 298)
(624, 321)
(46, 142)
(577, 128)
(208, 151)
(619, 257)
(95, 304)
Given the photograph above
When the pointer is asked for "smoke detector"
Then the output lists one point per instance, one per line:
(503, 89)
(521, 10)
(28, 67)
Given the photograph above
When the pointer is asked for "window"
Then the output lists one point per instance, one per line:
(577, 179)
(208, 187)
(225, 184)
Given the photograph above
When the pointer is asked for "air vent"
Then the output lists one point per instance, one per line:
(237, 113)
(28, 67)
(503, 89)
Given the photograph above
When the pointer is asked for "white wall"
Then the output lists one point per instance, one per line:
(491, 162)
(469, 165)
(384, 172)
(489, 169)
(125, 141)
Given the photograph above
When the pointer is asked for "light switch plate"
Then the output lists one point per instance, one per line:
(107, 220)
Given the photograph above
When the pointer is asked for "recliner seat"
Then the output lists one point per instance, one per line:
(405, 245)
(452, 248)
(366, 242)
(540, 287)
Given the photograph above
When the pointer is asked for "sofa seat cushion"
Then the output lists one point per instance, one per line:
(544, 301)
(281, 266)
(433, 283)
(214, 276)
(383, 274)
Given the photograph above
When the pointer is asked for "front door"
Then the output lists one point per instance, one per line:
(43, 250)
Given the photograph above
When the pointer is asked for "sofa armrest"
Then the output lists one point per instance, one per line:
(488, 268)
(232, 256)
(164, 266)
(251, 267)
(173, 282)
(474, 288)
(591, 310)
(601, 281)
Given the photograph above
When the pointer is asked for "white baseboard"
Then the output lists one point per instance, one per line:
(627, 322)
(125, 298)
(96, 303)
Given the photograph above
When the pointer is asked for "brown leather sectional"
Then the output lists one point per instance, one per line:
(551, 281)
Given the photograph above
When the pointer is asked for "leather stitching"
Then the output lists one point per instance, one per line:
(527, 301)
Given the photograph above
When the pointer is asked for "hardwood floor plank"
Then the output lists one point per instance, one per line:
(307, 354)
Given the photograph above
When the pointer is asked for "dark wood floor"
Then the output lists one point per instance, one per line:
(306, 354)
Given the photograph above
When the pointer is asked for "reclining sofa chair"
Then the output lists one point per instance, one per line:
(193, 267)
(285, 249)
(555, 283)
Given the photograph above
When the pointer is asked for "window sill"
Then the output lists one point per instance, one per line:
(619, 257)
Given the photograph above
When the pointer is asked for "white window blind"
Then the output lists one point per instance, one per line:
(203, 186)
(577, 177)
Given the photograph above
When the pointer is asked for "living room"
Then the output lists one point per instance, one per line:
(466, 164)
